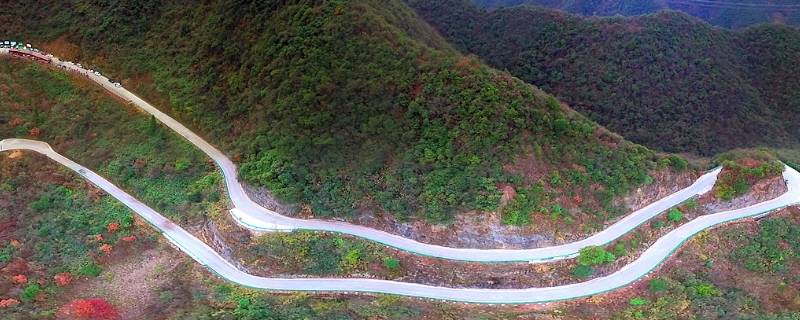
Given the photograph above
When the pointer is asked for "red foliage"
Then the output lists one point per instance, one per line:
(95, 309)
(578, 200)
(8, 303)
(20, 278)
(128, 238)
(112, 227)
(35, 132)
(63, 279)
(106, 248)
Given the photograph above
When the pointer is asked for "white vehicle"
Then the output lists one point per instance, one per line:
(117, 84)
(79, 66)
(97, 73)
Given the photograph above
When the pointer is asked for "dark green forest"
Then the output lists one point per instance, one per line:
(666, 80)
(724, 13)
(342, 105)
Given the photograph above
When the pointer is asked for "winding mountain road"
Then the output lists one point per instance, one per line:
(253, 216)
(202, 253)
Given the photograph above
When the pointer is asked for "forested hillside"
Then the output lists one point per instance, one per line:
(666, 80)
(724, 13)
(343, 105)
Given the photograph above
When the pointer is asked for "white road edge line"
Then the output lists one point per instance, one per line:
(205, 255)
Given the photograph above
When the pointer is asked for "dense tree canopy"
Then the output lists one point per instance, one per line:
(725, 13)
(665, 80)
(343, 105)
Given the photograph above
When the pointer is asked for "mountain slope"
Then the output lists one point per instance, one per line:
(724, 13)
(345, 106)
(665, 80)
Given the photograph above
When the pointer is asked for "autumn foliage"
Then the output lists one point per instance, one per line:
(106, 248)
(112, 227)
(20, 278)
(95, 309)
(63, 279)
(8, 303)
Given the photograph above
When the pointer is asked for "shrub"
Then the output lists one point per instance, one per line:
(678, 163)
(637, 301)
(557, 211)
(620, 250)
(690, 204)
(96, 309)
(658, 285)
(594, 255)
(582, 271)
(90, 270)
(30, 292)
(6, 254)
(391, 263)
(658, 224)
(674, 215)
(704, 290)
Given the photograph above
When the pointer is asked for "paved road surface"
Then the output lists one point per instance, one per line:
(205, 255)
(253, 216)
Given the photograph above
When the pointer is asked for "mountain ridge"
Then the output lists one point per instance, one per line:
(666, 80)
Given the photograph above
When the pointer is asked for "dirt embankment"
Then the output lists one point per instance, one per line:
(486, 230)
(433, 271)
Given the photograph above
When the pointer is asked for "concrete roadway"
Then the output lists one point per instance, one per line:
(205, 255)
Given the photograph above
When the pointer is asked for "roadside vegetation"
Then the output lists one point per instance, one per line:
(120, 143)
(321, 254)
(392, 120)
(742, 169)
(756, 278)
(56, 232)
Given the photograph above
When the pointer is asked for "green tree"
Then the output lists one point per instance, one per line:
(674, 215)
(594, 255)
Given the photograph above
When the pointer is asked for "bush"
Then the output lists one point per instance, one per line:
(90, 270)
(582, 271)
(97, 309)
(658, 224)
(637, 301)
(658, 285)
(30, 292)
(678, 163)
(391, 263)
(690, 204)
(704, 290)
(620, 250)
(674, 215)
(594, 255)
(6, 254)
